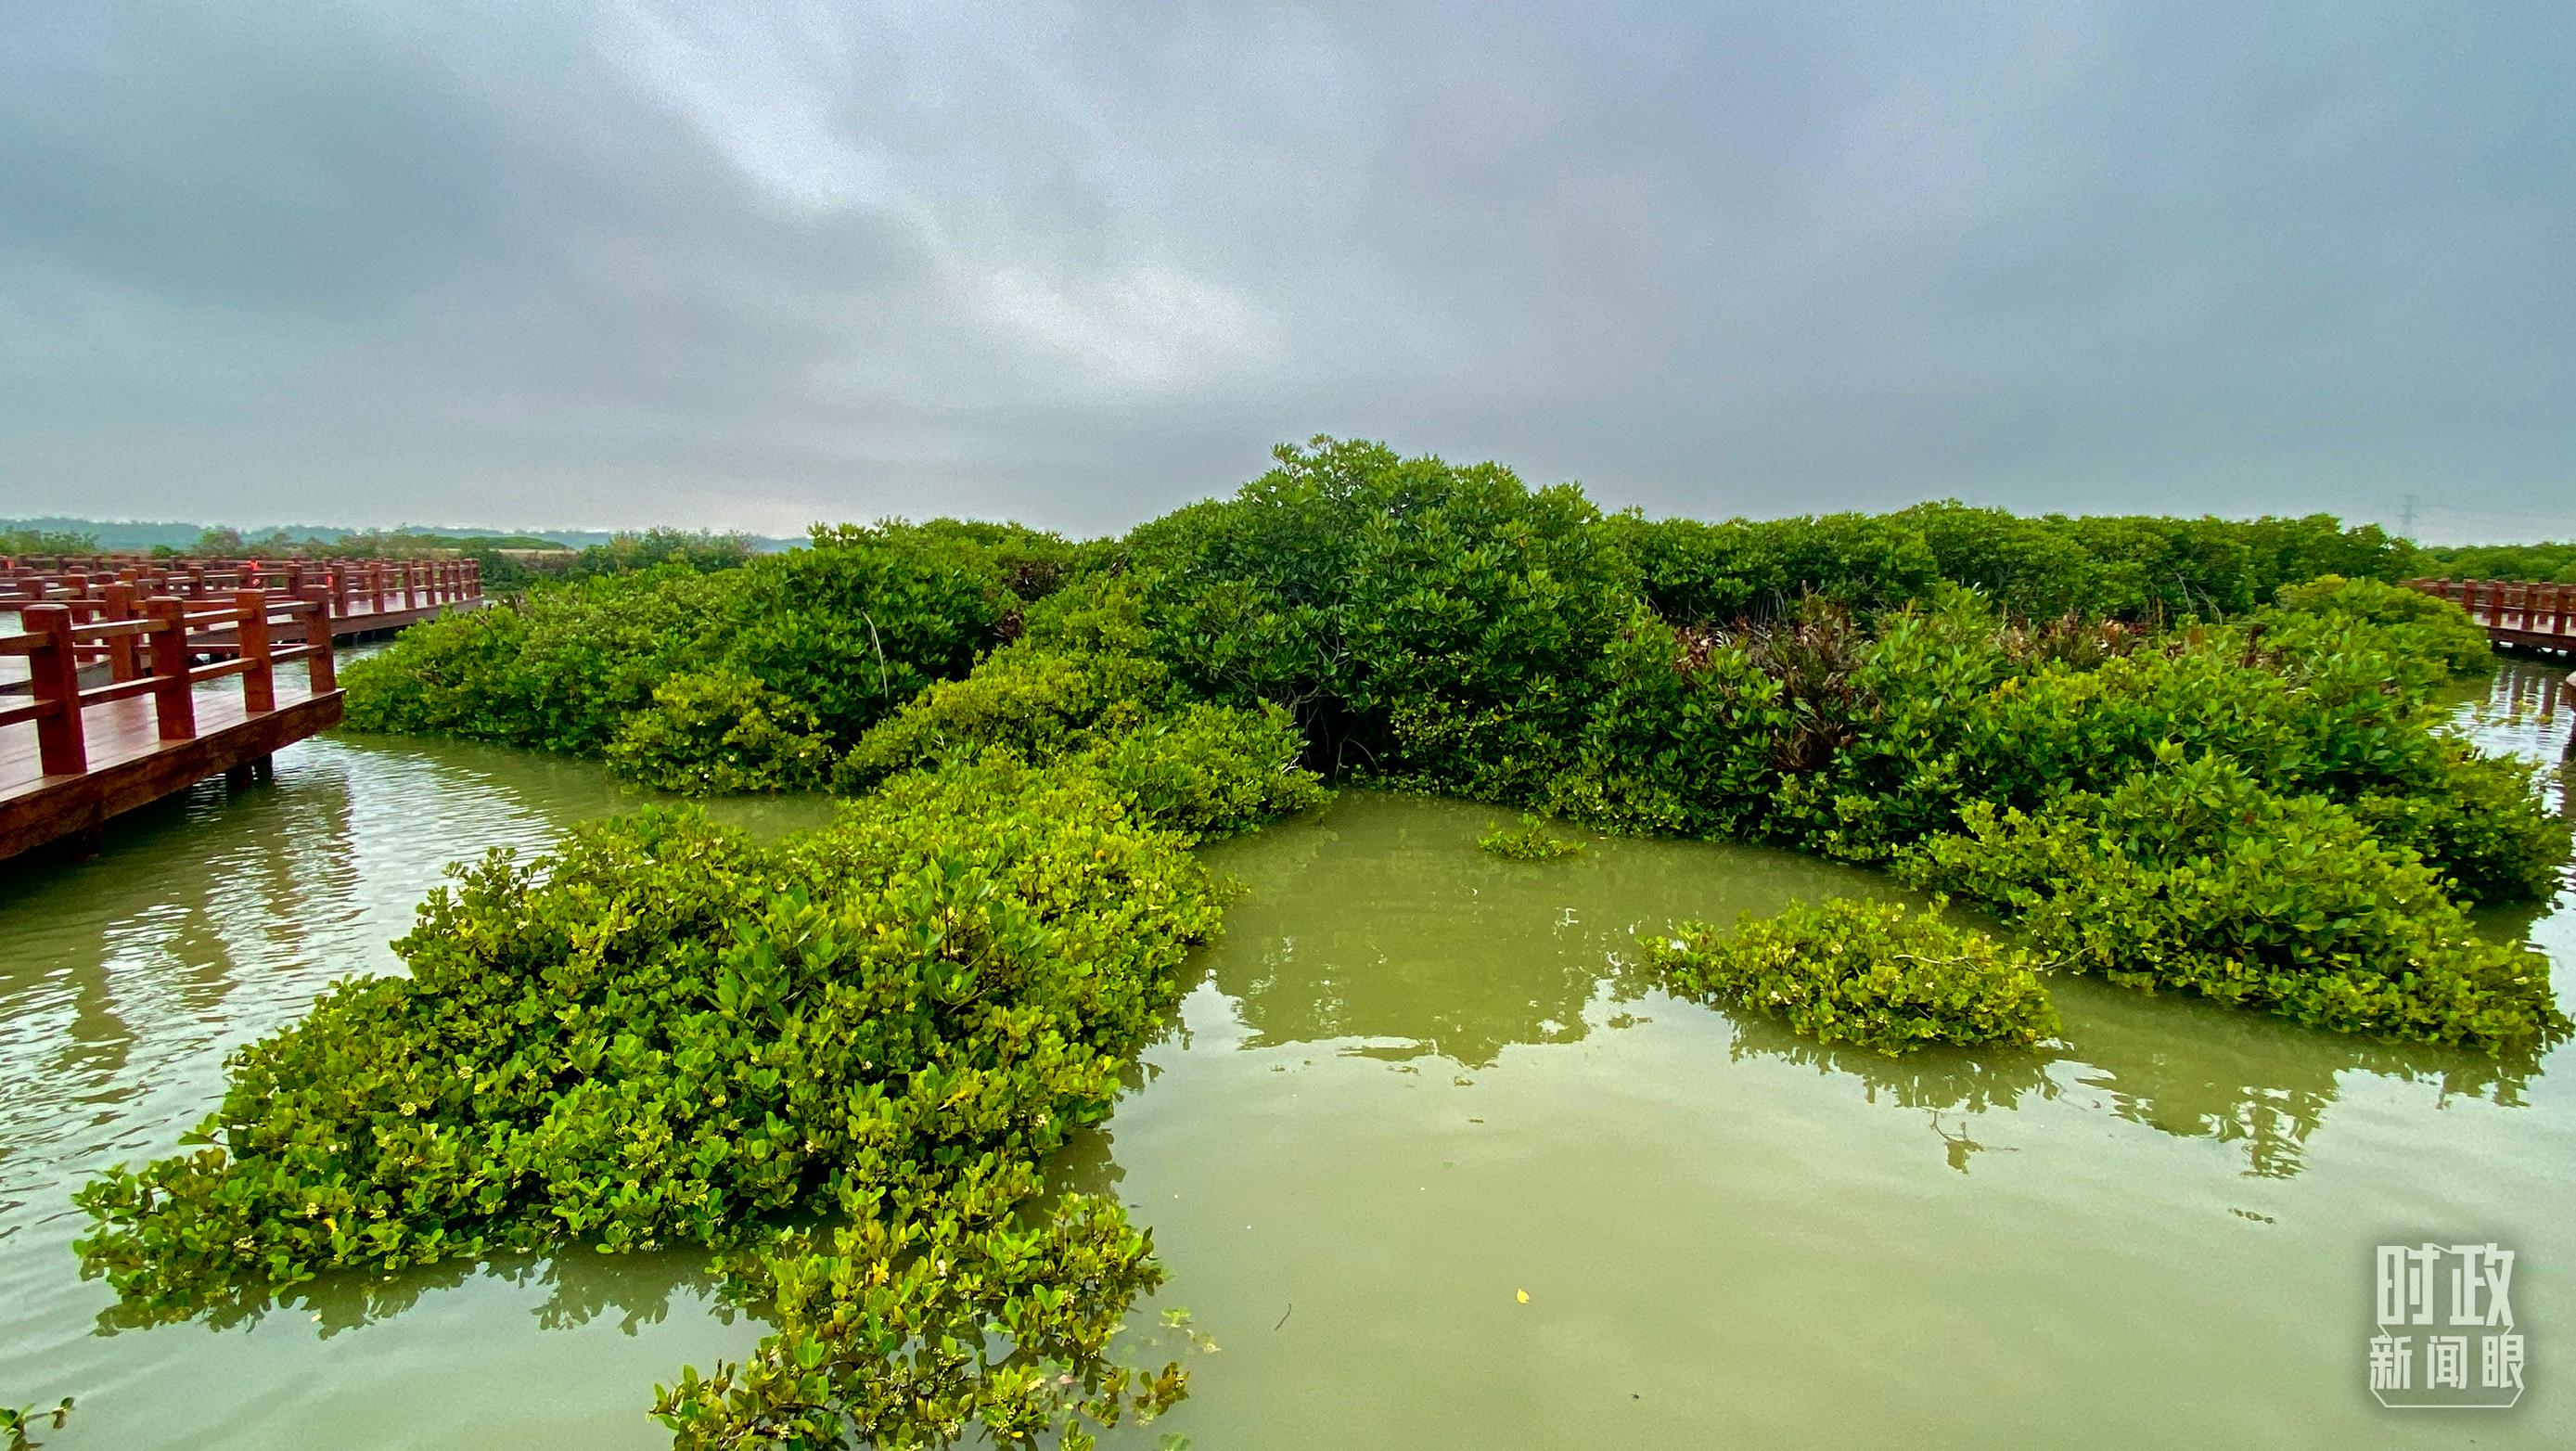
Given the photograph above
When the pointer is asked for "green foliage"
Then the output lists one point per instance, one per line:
(1208, 770)
(2191, 875)
(2131, 568)
(720, 731)
(1418, 619)
(2546, 563)
(1531, 841)
(15, 1421)
(835, 635)
(628, 553)
(2435, 629)
(667, 1035)
(17, 543)
(559, 670)
(1861, 972)
(1070, 691)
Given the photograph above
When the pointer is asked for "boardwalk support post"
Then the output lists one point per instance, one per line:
(259, 676)
(174, 709)
(324, 672)
(120, 650)
(55, 678)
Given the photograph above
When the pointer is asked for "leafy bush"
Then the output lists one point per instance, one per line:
(2133, 568)
(1416, 618)
(558, 671)
(843, 632)
(2435, 629)
(1208, 770)
(2548, 563)
(1067, 693)
(628, 553)
(668, 1035)
(2192, 876)
(1867, 973)
(1531, 841)
(720, 731)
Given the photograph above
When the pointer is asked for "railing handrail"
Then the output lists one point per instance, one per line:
(2519, 608)
(54, 645)
(202, 621)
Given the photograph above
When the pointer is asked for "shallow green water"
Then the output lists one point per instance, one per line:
(1411, 1082)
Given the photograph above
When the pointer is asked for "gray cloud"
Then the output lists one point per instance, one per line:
(755, 264)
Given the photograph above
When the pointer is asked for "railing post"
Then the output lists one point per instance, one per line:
(173, 703)
(54, 675)
(474, 578)
(259, 677)
(325, 674)
(120, 651)
(376, 586)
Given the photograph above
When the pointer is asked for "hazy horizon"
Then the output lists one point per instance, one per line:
(593, 267)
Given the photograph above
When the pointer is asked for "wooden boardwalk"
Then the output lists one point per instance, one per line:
(130, 765)
(110, 711)
(2516, 613)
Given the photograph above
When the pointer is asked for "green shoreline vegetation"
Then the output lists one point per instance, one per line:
(2190, 755)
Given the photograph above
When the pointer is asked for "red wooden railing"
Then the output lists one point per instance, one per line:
(148, 650)
(2515, 612)
(357, 586)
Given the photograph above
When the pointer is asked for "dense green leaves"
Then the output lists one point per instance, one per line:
(834, 636)
(1530, 841)
(1867, 973)
(1417, 618)
(2131, 568)
(667, 1035)
(2548, 562)
(721, 731)
(2190, 875)
(1074, 690)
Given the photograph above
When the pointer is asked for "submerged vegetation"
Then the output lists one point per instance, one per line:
(1871, 974)
(2189, 754)
(1530, 841)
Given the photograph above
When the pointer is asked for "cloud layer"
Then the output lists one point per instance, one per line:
(751, 265)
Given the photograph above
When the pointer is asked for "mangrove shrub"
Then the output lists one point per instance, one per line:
(1873, 974)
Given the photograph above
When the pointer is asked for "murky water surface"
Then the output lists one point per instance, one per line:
(1411, 1084)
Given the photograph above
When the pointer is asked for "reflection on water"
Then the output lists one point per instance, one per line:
(1412, 1082)
(1370, 933)
(1372, 926)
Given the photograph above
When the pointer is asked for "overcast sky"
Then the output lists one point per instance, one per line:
(751, 265)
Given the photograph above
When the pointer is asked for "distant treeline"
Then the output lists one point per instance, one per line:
(2546, 563)
(510, 561)
(2129, 567)
(64, 535)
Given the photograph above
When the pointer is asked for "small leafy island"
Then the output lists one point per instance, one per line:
(2198, 755)
(1530, 841)
(1866, 973)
